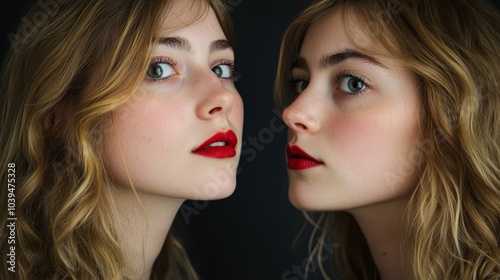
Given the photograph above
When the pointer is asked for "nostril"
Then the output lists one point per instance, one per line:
(215, 110)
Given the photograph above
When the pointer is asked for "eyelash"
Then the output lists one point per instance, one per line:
(232, 66)
(344, 74)
(234, 69)
(292, 83)
(163, 59)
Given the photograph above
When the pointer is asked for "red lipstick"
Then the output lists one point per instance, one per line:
(221, 145)
(299, 160)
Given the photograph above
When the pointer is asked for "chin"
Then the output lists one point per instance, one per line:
(301, 198)
(225, 192)
(216, 188)
(312, 197)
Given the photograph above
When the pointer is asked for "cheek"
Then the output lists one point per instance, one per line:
(358, 140)
(141, 139)
(148, 126)
(369, 145)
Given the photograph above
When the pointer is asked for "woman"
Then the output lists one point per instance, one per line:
(113, 114)
(393, 110)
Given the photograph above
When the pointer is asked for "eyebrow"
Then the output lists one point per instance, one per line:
(220, 45)
(301, 63)
(337, 58)
(184, 44)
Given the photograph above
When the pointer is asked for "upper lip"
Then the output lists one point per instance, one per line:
(293, 151)
(229, 137)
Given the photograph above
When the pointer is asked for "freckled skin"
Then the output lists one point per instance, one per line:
(156, 131)
(361, 139)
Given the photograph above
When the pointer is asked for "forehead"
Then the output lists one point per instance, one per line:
(337, 31)
(189, 15)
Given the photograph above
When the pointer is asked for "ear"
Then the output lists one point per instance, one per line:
(53, 118)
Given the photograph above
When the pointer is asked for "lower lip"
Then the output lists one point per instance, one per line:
(301, 163)
(217, 152)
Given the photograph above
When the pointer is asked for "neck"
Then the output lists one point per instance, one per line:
(142, 229)
(381, 224)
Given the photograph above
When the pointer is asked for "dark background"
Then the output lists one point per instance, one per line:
(250, 234)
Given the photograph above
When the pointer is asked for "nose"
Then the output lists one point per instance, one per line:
(301, 115)
(216, 100)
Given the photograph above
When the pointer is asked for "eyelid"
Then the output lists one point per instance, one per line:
(163, 59)
(300, 72)
(291, 86)
(235, 76)
(158, 60)
(229, 62)
(300, 78)
(347, 73)
(344, 74)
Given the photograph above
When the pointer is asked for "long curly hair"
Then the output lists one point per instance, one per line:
(71, 65)
(451, 226)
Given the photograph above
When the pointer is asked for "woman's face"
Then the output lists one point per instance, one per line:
(180, 134)
(354, 125)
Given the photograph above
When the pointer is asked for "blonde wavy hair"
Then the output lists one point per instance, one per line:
(79, 62)
(451, 226)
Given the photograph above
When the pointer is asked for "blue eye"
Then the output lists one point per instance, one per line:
(351, 85)
(300, 86)
(159, 71)
(296, 86)
(224, 71)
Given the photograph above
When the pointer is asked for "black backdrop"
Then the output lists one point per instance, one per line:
(250, 234)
